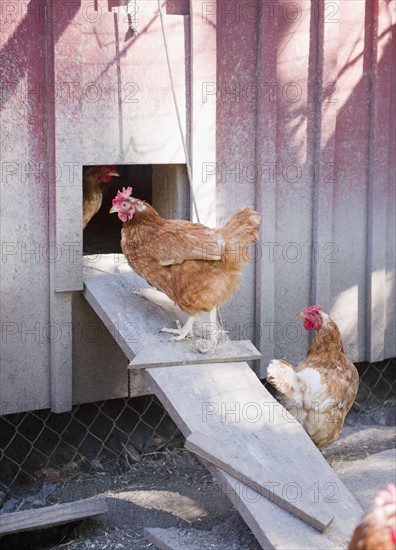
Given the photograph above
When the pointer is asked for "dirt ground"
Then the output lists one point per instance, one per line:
(174, 489)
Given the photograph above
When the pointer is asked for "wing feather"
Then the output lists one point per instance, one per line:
(182, 241)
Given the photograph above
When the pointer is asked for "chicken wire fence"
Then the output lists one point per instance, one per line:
(105, 437)
(43, 449)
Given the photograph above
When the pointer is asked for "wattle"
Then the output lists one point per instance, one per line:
(125, 216)
(308, 325)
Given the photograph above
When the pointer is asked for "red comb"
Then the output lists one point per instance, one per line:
(122, 195)
(102, 173)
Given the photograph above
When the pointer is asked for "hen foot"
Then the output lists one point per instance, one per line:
(181, 332)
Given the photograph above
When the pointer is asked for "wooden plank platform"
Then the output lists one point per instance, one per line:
(274, 527)
(265, 451)
(51, 516)
(132, 321)
(188, 353)
(218, 400)
(228, 535)
(185, 539)
(240, 457)
(135, 322)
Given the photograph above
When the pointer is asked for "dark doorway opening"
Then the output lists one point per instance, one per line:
(102, 235)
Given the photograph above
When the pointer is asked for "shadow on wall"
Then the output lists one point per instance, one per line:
(357, 155)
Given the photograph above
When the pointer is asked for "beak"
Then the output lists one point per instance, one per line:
(113, 210)
(114, 174)
(300, 314)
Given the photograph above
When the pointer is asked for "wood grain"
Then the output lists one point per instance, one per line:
(188, 353)
(184, 539)
(193, 396)
(50, 516)
(235, 454)
(132, 321)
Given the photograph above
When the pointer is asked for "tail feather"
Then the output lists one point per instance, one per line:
(238, 233)
(282, 376)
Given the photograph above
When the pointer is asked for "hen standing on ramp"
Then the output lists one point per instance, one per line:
(198, 268)
(323, 387)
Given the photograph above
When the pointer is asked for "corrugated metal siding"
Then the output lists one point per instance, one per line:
(328, 115)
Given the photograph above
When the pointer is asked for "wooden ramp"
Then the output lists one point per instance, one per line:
(264, 461)
(135, 323)
(274, 475)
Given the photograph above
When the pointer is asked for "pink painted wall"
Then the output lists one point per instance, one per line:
(24, 374)
(314, 100)
(77, 87)
(305, 133)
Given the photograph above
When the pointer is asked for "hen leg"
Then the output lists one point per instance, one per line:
(182, 332)
(214, 338)
(213, 334)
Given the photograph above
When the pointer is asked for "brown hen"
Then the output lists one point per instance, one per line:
(323, 387)
(377, 528)
(197, 267)
(93, 179)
